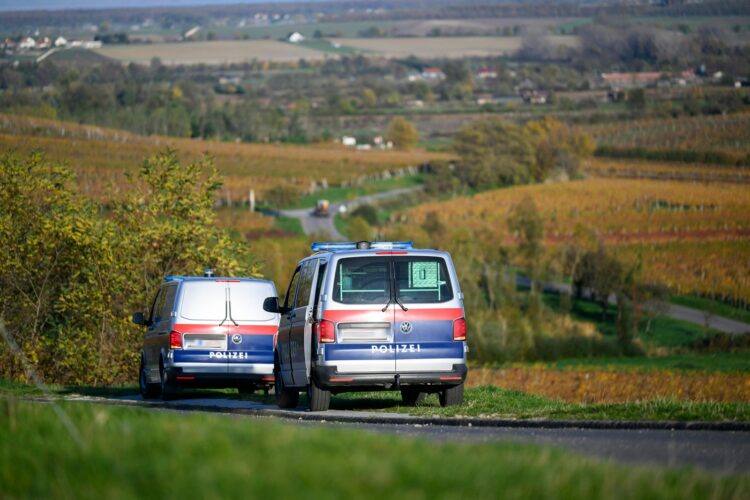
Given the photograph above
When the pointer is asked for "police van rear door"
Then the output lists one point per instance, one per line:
(361, 309)
(424, 315)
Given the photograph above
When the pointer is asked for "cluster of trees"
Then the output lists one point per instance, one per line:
(494, 152)
(70, 276)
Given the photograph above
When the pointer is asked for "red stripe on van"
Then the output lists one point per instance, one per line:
(444, 314)
(227, 329)
(374, 315)
(428, 314)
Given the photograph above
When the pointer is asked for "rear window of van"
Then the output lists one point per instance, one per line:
(206, 301)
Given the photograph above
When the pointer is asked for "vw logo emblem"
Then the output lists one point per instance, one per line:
(237, 338)
(405, 327)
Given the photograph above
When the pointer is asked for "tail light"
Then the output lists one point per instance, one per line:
(175, 340)
(459, 329)
(325, 331)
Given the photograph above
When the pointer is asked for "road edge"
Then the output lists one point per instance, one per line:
(673, 425)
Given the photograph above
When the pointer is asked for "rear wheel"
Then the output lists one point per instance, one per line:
(452, 396)
(317, 399)
(412, 397)
(148, 390)
(168, 390)
(285, 398)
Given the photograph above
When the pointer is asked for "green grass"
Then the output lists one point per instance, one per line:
(664, 331)
(136, 453)
(336, 194)
(341, 224)
(713, 306)
(289, 224)
(723, 362)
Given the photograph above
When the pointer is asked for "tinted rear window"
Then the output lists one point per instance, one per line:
(362, 280)
(422, 280)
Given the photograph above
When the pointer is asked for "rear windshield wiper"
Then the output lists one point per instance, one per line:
(390, 299)
(228, 311)
(402, 305)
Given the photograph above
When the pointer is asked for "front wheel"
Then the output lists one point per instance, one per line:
(452, 396)
(317, 399)
(147, 390)
(285, 398)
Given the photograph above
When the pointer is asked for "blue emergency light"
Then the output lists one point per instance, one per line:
(338, 246)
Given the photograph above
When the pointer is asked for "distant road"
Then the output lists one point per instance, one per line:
(313, 225)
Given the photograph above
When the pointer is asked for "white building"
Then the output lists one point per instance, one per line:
(60, 42)
(27, 43)
(295, 37)
(348, 141)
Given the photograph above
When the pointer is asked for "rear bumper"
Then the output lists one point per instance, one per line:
(330, 378)
(211, 375)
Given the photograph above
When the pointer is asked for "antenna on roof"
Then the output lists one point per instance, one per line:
(208, 273)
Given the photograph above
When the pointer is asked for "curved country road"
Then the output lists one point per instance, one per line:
(324, 226)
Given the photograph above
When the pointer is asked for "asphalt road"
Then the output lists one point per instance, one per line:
(324, 226)
(724, 451)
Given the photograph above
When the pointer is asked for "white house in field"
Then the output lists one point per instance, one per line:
(295, 37)
(27, 43)
(61, 41)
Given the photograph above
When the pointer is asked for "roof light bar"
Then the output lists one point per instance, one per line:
(173, 278)
(338, 246)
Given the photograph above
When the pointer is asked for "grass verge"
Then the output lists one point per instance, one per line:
(714, 307)
(722, 362)
(135, 453)
(289, 225)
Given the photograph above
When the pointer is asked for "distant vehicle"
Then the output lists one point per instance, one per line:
(371, 316)
(208, 332)
(322, 208)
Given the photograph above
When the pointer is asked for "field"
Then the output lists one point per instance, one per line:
(134, 453)
(719, 138)
(238, 51)
(667, 170)
(101, 156)
(450, 47)
(693, 237)
(215, 52)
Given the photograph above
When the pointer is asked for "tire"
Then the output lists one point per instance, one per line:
(317, 399)
(147, 390)
(452, 396)
(285, 398)
(168, 390)
(412, 397)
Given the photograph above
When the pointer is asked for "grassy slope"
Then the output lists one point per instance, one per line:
(714, 307)
(131, 453)
(724, 362)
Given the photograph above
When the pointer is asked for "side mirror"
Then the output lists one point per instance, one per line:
(139, 319)
(271, 304)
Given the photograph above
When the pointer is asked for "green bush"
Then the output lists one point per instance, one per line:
(70, 277)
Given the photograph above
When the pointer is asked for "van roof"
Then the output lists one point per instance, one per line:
(213, 278)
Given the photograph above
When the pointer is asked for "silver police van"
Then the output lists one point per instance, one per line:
(366, 316)
(208, 332)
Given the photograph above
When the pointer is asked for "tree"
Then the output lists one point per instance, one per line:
(402, 133)
(369, 98)
(559, 148)
(493, 152)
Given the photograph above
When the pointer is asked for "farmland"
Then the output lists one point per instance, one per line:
(724, 138)
(213, 52)
(693, 237)
(100, 156)
(448, 47)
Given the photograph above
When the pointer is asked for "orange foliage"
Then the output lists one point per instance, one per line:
(620, 386)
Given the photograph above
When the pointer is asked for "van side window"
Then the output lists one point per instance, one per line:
(289, 299)
(157, 315)
(319, 284)
(155, 306)
(166, 310)
(305, 283)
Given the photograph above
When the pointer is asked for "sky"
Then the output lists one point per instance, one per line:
(8, 5)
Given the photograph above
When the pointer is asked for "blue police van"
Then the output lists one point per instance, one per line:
(208, 332)
(361, 316)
